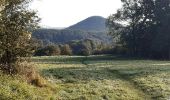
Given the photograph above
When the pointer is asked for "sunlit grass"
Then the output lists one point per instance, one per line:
(101, 77)
(107, 77)
(13, 88)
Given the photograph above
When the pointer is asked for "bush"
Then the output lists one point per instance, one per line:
(86, 52)
(66, 50)
(51, 50)
(30, 74)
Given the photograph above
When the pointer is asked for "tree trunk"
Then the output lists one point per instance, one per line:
(8, 63)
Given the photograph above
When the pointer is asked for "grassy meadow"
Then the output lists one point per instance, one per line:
(101, 77)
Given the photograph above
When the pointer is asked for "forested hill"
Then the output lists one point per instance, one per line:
(92, 28)
(65, 36)
(94, 23)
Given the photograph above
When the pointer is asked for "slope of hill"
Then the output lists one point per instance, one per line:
(92, 28)
(94, 23)
(64, 36)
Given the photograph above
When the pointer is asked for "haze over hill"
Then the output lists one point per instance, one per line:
(94, 23)
(92, 28)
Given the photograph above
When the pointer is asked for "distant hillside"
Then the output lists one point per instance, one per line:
(65, 36)
(92, 28)
(94, 23)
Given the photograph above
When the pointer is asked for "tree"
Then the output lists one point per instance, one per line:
(66, 50)
(51, 50)
(161, 42)
(88, 47)
(146, 28)
(16, 24)
(135, 13)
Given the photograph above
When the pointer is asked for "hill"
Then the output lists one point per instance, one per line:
(94, 23)
(92, 28)
(65, 36)
(89, 35)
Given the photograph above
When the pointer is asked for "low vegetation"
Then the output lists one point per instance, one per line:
(92, 78)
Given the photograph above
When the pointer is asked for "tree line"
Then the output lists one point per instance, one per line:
(76, 47)
(142, 28)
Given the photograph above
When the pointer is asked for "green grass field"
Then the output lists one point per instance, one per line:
(106, 77)
(93, 78)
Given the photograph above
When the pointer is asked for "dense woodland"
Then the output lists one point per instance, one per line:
(93, 41)
(80, 47)
(142, 28)
(64, 36)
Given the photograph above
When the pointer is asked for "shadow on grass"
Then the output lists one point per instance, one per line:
(85, 74)
(76, 75)
(81, 59)
(109, 72)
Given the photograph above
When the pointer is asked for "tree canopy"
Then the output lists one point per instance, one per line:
(145, 31)
(16, 24)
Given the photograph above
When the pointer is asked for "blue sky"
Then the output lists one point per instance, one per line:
(63, 13)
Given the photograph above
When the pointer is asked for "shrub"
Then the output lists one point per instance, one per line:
(66, 50)
(86, 52)
(30, 74)
(51, 50)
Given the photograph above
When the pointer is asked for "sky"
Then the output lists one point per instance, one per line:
(63, 13)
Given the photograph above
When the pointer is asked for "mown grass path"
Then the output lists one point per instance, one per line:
(124, 78)
(130, 83)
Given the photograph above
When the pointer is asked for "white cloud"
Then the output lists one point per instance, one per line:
(62, 13)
